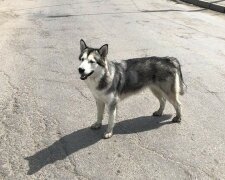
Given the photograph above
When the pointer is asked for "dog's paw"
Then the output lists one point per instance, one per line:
(107, 135)
(96, 125)
(157, 113)
(176, 119)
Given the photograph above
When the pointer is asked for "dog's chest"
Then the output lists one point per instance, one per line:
(99, 94)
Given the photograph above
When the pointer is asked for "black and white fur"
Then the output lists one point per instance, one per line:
(111, 82)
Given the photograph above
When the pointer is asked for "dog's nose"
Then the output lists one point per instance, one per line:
(81, 70)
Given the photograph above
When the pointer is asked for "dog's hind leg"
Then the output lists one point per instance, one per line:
(161, 99)
(112, 115)
(173, 98)
(177, 106)
(100, 111)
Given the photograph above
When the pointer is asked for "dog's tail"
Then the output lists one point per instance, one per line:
(183, 86)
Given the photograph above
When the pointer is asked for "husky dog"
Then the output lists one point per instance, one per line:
(110, 82)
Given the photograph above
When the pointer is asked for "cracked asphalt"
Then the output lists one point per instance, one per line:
(46, 110)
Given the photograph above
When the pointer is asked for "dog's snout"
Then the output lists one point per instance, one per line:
(81, 70)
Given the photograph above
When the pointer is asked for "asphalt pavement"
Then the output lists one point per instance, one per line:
(46, 110)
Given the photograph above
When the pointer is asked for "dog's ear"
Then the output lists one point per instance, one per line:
(103, 51)
(83, 45)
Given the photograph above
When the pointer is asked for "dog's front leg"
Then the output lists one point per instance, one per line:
(100, 112)
(112, 115)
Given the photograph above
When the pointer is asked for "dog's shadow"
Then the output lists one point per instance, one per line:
(86, 137)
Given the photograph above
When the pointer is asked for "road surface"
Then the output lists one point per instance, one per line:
(46, 110)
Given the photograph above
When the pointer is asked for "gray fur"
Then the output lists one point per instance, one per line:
(135, 74)
(113, 81)
(102, 83)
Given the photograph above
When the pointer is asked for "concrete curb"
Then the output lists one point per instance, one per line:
(204, 4)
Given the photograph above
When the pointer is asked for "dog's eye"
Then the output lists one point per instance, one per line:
(82, 59)
(91, 61)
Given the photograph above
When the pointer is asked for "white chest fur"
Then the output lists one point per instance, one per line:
(101, 95)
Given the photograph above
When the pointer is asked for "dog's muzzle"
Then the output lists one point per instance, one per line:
(83, 75)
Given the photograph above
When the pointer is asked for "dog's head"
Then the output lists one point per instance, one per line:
(92, 60)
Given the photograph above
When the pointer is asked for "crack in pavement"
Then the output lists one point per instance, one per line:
(180, 164)
(55, 81)
(62, 142)
(49, 6)
(81, 93)
(32, 59)
(64, 145)
(9, 80)
(13, 96)
(64, 82)
(62, 73)
(215, 93)
(183, 165)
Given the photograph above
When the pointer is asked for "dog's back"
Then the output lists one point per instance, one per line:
(134, 74)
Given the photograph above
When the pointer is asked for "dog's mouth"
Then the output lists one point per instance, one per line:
(85, 76)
